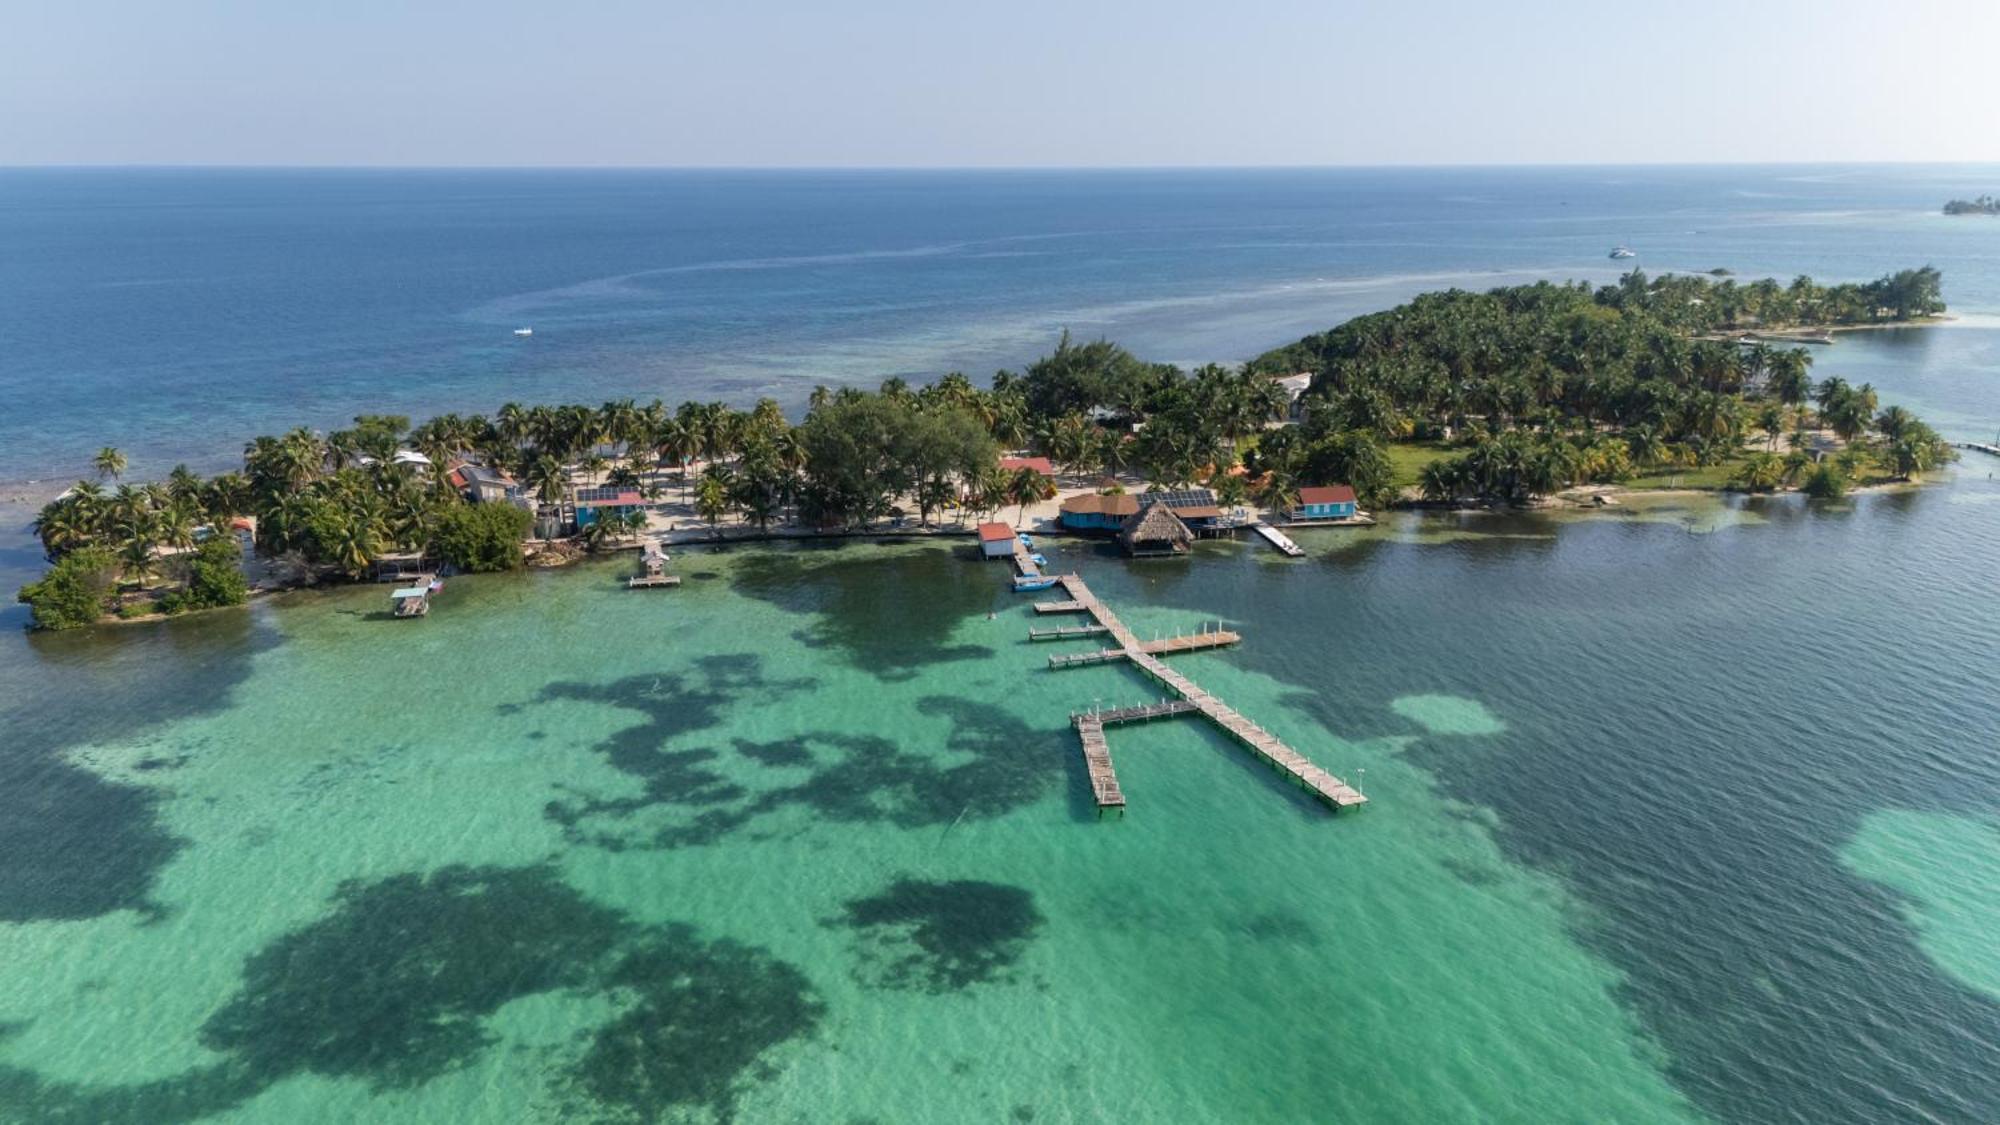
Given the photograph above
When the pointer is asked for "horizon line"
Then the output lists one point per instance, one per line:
(109, 165)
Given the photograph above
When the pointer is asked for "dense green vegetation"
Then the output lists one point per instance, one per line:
(1983, 205)
(72, 594)
(481, 537)
(1547, 386)
(1504, 395)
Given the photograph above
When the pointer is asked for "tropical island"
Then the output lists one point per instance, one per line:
(1984, 205)
(1507, 397)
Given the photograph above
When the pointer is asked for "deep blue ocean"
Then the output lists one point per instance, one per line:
(178, 313)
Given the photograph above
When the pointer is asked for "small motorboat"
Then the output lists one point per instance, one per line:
(1026, 540)
(1038, 560)
(524, 332)
(1622, 252)
(1024, 584)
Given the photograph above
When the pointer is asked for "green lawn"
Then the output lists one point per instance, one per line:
(1409, 458)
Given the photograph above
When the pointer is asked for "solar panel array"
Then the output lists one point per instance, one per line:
(1181, 498)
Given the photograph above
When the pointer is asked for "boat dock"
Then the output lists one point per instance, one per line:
(1066, 632)
(1336, 793)
(1060, 607)
(653, 570)
(1278, 539)
(1980, 447)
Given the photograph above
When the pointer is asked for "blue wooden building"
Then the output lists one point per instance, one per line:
(1332, 502)
(1094, 511)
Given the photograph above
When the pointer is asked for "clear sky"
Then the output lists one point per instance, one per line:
(1013, 82)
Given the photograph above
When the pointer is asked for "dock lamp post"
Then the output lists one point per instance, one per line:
(1360, 775)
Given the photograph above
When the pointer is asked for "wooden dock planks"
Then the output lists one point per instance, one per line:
(1328, 788)
(1097, 763)
(1278, 539)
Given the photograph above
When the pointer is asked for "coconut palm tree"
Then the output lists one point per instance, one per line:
(109, 462)
(1024, 487)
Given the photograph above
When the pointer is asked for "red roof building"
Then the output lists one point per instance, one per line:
(1016, 464)
(996, 541)
(1330, 494)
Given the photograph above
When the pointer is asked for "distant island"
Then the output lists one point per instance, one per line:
(1455, 398)
(1984, 205)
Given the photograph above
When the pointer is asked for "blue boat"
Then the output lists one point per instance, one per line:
(1038, 560)
(1024, 584)
(1026, 540)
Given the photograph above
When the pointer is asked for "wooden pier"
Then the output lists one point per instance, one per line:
(1059, 607)
(1097, 763)
(1090, 726)
(1067, 632)
(1278, 539)
(1980, 447)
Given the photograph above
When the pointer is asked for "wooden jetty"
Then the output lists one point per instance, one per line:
(1278, 539)
(1336, 793)
(1097, 763)
(653, 571)
(1097, 752)
(1066, 632)
(1980, 447)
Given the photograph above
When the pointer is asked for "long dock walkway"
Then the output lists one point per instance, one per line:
(1090, 726)
(1278, 539)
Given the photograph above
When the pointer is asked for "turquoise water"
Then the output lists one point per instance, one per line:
(1661, 806)
(1686, 812)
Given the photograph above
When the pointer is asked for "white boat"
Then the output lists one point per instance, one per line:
(1619, 252)
(524, 332)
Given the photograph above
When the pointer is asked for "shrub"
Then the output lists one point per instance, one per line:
(482, 537)
(71, 595)
(1826, 482)
(215, 578)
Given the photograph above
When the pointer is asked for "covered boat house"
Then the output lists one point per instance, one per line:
(996, 541)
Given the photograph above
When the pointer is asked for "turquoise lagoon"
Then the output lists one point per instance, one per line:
(808, 839)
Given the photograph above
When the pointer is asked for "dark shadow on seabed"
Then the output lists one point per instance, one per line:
(392, 987)
(77, 845)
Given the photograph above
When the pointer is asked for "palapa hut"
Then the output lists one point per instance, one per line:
(1155, 530)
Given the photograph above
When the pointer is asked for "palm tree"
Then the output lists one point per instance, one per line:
(109, 462)
(711, 499)
(1024, 487)
(1771, 420)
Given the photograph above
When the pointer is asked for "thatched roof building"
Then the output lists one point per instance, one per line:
(1155, 530)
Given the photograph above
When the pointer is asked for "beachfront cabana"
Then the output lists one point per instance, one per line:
(1155, 530)
(593, 504)
(1098, 511)
(996, 541)
(1332, 502)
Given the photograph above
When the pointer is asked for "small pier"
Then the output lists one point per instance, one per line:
(1067, 632)
(1060, 607)
(1337, 794)
(1980, 447)
(1278, 539)
(1097, 763)
(653, 571)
